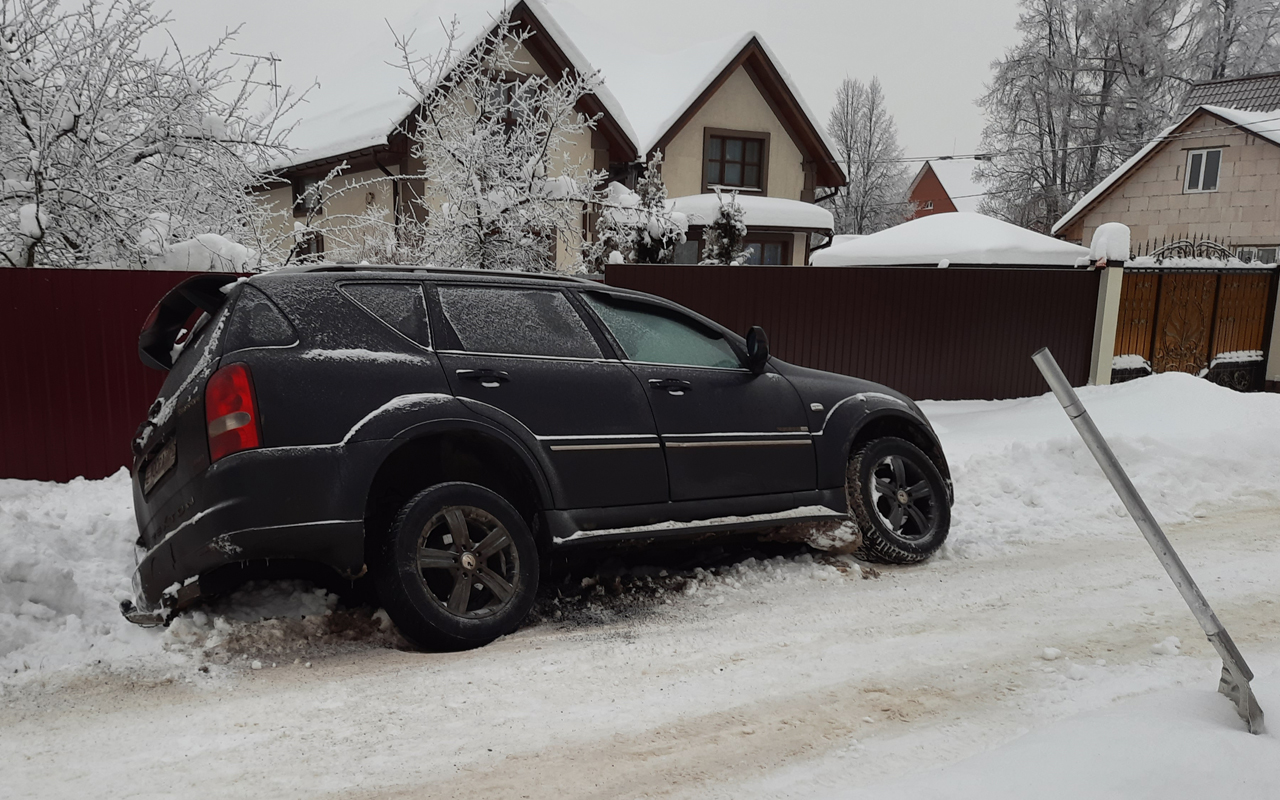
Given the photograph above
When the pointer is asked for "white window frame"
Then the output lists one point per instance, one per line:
(1187, 188)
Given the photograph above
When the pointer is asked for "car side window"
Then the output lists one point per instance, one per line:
(655, 335)
(517, 321)
(399, 305)
(256, 322)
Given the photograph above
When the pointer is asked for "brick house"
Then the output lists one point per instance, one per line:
(945, 184)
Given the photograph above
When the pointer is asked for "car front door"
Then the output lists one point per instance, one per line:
(726, 431)
(528, 353)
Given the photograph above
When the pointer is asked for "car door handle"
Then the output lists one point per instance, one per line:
(488, 378)
(672, 386)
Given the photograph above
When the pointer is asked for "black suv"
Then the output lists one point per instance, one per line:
(445, 430)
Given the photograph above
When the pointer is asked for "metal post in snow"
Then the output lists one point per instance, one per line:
(1235, 672)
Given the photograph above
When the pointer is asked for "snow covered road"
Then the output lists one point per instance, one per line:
(782, 678)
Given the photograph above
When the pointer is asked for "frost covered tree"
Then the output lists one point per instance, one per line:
(499, 188)
(1094, 80)
(107, 153)
(866, 140)
(638, 227)
(724, 239)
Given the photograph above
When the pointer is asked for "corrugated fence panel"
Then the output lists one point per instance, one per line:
(943, 334)
(72, 390)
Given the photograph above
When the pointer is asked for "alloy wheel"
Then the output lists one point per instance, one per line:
(468, 562)
(902, 498)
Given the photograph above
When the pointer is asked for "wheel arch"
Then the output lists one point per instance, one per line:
(889, 422)
(462, 451)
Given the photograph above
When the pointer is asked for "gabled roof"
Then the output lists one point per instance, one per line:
(365, 100)
(956, 177)
(1250, 93)
(646, 96)
(962, 238)
(1263, 124)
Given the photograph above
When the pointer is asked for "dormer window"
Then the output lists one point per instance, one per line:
(1202, 170)
(306, 197)
(735, 160)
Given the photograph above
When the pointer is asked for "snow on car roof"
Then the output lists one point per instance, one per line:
(959, 237)
(777, 212)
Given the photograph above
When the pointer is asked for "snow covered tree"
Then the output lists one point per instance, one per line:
(106, 153)
(724, 239)
(866, 140)
(637, 227)
(1094, 80)
(500, 188)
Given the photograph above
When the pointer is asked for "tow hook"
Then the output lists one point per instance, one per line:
(146, 619)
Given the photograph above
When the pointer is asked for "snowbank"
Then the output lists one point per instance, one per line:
(1022, 476)
(960, 238)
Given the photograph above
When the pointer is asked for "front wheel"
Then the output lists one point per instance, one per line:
(458, 568)
(899, 500)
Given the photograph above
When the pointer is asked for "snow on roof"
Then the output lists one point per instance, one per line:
(960, 238)
(764, 212)
(364, 97)
(1265, 124)
(956, 177)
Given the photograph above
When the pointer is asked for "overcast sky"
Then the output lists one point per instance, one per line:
(932, 56)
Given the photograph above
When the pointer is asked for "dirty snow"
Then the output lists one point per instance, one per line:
(1014, 650)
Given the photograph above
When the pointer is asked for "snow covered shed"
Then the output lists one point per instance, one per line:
(958, 239)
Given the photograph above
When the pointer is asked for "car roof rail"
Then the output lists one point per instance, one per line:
(431, 270)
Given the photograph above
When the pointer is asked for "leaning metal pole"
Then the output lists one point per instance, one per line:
(1235, 672)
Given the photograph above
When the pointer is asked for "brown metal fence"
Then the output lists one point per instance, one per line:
(72, 390)
(956, 333)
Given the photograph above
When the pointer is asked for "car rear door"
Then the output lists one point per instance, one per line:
(528, 352)
(726, 431)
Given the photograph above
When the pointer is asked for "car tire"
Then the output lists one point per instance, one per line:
(899, 501)
(457, 569)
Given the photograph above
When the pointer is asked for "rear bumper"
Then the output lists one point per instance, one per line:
(286, 503)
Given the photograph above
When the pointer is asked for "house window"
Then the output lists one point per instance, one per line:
(306, 197)
(928, 205)
(735, 160)
(1263, 255)
(769, 251)
(1202, 170)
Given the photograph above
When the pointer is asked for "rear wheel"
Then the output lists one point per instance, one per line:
(898, 498)
(458, 568)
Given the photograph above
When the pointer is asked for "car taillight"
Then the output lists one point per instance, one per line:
(230, 412)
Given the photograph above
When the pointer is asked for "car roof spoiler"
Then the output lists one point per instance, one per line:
(166, 321)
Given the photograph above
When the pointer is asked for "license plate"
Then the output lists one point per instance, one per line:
(159, 464)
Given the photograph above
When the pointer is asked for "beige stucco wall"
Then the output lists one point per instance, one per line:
(357, 215)
(1244, 211)
(737, 105)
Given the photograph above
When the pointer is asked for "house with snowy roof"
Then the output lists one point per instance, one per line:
(945, 184)
(724, 114)
(1214, 174)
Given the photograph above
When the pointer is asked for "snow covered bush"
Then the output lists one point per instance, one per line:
(638, 227)
(107, 152)
(724, 241)
(499, 188)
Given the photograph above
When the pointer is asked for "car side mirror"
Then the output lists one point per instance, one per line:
(757, 349)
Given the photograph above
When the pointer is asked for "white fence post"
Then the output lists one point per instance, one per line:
(1105, 322)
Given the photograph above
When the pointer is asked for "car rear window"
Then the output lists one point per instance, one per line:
(517, 321)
